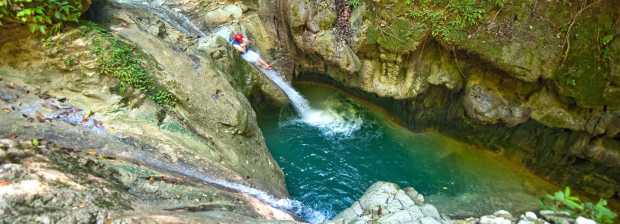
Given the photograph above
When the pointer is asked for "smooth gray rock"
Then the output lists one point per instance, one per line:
(430, 211)
(582, 220)
(386, 203)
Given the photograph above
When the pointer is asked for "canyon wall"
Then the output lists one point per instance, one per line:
(535, 80)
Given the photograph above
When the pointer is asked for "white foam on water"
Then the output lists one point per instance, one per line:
(331, 123)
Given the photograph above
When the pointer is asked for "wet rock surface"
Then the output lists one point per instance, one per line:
(41, 182)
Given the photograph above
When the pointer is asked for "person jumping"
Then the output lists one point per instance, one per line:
(241, 44)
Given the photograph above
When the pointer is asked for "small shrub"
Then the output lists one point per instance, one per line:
(563, 201)
(41, 16)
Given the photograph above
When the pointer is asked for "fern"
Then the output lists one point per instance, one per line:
(564, 201)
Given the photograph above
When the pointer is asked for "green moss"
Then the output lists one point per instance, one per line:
(450, 19)
(396, 37)
(120, 60)
(405, 22)
(585, 74)
(328, 19)
(242, 75)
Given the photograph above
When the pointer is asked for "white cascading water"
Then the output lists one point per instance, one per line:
(329, 123)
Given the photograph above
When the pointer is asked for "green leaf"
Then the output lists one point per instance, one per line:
(607, 39)
(32, 27)
(42, 29)
(24, 12)
(574, 205)
(34, 142)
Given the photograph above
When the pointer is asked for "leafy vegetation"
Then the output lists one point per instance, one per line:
(41, 16)
(446, 19)
(563, 201)
(354, 3)
(122, 61)
(449, 16)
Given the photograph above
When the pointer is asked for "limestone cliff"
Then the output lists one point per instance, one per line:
(533, 79)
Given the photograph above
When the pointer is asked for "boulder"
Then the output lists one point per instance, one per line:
(498, 217)
(223, 15)
(330, 49)
(385, 202)
(492, 99)
(582, 220)
(298, 13)
(209, 103)
(549, 110)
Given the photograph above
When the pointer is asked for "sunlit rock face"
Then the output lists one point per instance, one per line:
(514, 70)
(85, 189)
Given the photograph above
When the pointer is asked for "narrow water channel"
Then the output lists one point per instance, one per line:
(330, 166)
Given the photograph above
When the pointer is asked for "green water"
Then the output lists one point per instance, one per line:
(329, 171)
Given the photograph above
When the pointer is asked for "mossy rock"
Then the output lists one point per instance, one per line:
(550, 111)
(515, 39)
(585, 74)
(298, 13)
(492, 98)
(401, 35)
(121, 60)
(614, 59)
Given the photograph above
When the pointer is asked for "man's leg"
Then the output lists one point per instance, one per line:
(263, 63)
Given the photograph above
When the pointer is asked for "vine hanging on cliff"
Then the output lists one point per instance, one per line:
(570, 27)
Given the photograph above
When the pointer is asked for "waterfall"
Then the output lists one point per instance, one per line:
(330, 123)
(300, 103)
(176, 19)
